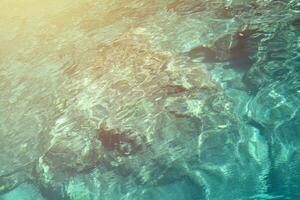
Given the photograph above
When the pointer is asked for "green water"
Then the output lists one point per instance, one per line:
(149, 100)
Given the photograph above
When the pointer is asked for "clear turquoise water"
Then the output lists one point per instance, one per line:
(149, 100)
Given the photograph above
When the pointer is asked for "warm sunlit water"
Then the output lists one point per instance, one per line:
(149, 99)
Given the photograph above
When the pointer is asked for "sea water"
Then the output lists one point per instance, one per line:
(143, 100)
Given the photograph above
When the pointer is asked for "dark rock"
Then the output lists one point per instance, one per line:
(121, 142)
(295, 22)
(175, 89)
(241, 51)
(53, 193)
(208, 54)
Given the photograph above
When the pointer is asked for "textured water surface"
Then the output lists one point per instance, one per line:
(149, 99)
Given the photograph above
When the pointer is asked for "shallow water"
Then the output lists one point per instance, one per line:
(160, 99)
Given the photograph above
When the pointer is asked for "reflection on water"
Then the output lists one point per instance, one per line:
(163, 99)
